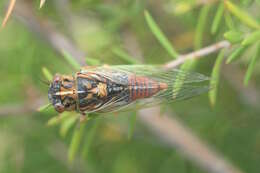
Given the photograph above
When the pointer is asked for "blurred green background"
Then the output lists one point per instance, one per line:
(113, 32)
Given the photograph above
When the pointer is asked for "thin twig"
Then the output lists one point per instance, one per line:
(9, 12)
(198, 54)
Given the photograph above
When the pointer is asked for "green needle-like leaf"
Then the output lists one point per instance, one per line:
(43, 108)
(89, 139)
(217, 18)
(132, 125)
(47, 74)
(124, 56)
(242, 15)
(214, 82)
(236, 54)
(71, 60)
(67, 124)
(92, 61)
(159, 35)
(75, 142)
(233, 36)
(53, 121)
(252, 65)
(252, 38)
(58, 119)
(200, 28)
(229, 21)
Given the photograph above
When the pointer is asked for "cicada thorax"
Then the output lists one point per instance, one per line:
(144, 87)
(96, 91)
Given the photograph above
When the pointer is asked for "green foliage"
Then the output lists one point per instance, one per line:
(58, 119)
(252, 38)
(229, 21)
(47, 74)
(236, 54)
(242, 15)
(132, 122)
(124, 56)
(233, 36)
(214, 82)
(217, 18)
(67, 124)
(92, 61)
(240, 40)
(159, 35)
(252, 64)
(201, 25)
(76, 141)
(71, 60)
(43, 108)
(90, 139)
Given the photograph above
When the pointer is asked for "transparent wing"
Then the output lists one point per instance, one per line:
(117, 73)
(113, 74)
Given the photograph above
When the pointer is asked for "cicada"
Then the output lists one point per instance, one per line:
(111, 88)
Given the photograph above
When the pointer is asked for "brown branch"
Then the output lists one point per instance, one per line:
(198, 54)
(172, 131)
(169, 129)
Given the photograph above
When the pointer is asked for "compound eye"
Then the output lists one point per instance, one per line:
(59, 107)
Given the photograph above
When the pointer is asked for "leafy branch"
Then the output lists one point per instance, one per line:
(157, 126)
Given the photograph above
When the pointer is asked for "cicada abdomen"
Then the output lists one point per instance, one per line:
(141, 87)
(106, 89)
